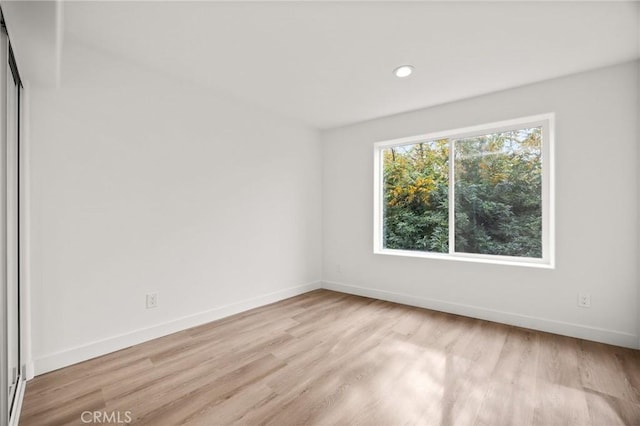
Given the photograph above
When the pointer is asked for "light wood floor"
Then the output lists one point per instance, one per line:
(330, 358)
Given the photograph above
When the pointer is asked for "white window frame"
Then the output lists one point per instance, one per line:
(545, 121)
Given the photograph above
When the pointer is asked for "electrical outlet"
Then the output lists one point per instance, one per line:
(339, 268)
(152, 300)
(584, 300)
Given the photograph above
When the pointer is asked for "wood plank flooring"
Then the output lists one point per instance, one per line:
(329, 358)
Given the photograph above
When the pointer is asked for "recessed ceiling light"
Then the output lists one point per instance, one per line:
(403, 71)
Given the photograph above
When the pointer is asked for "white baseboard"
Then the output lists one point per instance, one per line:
(596, 334)
(29, 372)
(101, 347)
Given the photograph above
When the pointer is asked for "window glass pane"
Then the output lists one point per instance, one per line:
(416, 179)
(498, 193)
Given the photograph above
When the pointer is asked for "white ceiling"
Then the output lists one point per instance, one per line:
(330, 63)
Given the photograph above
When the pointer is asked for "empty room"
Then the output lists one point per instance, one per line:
(320, 213)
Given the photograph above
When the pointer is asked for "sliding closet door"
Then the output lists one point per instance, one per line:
(5, 400)
(10, 341)
(13, 226)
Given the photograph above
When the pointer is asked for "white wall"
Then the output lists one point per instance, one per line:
(596, 213)
(143, 183)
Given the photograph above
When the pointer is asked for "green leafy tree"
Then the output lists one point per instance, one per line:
(416, 180)
(498, 205)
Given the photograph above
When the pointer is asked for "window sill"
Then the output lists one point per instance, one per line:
(494, 260)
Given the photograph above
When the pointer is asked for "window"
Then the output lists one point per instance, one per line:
(482, 194)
